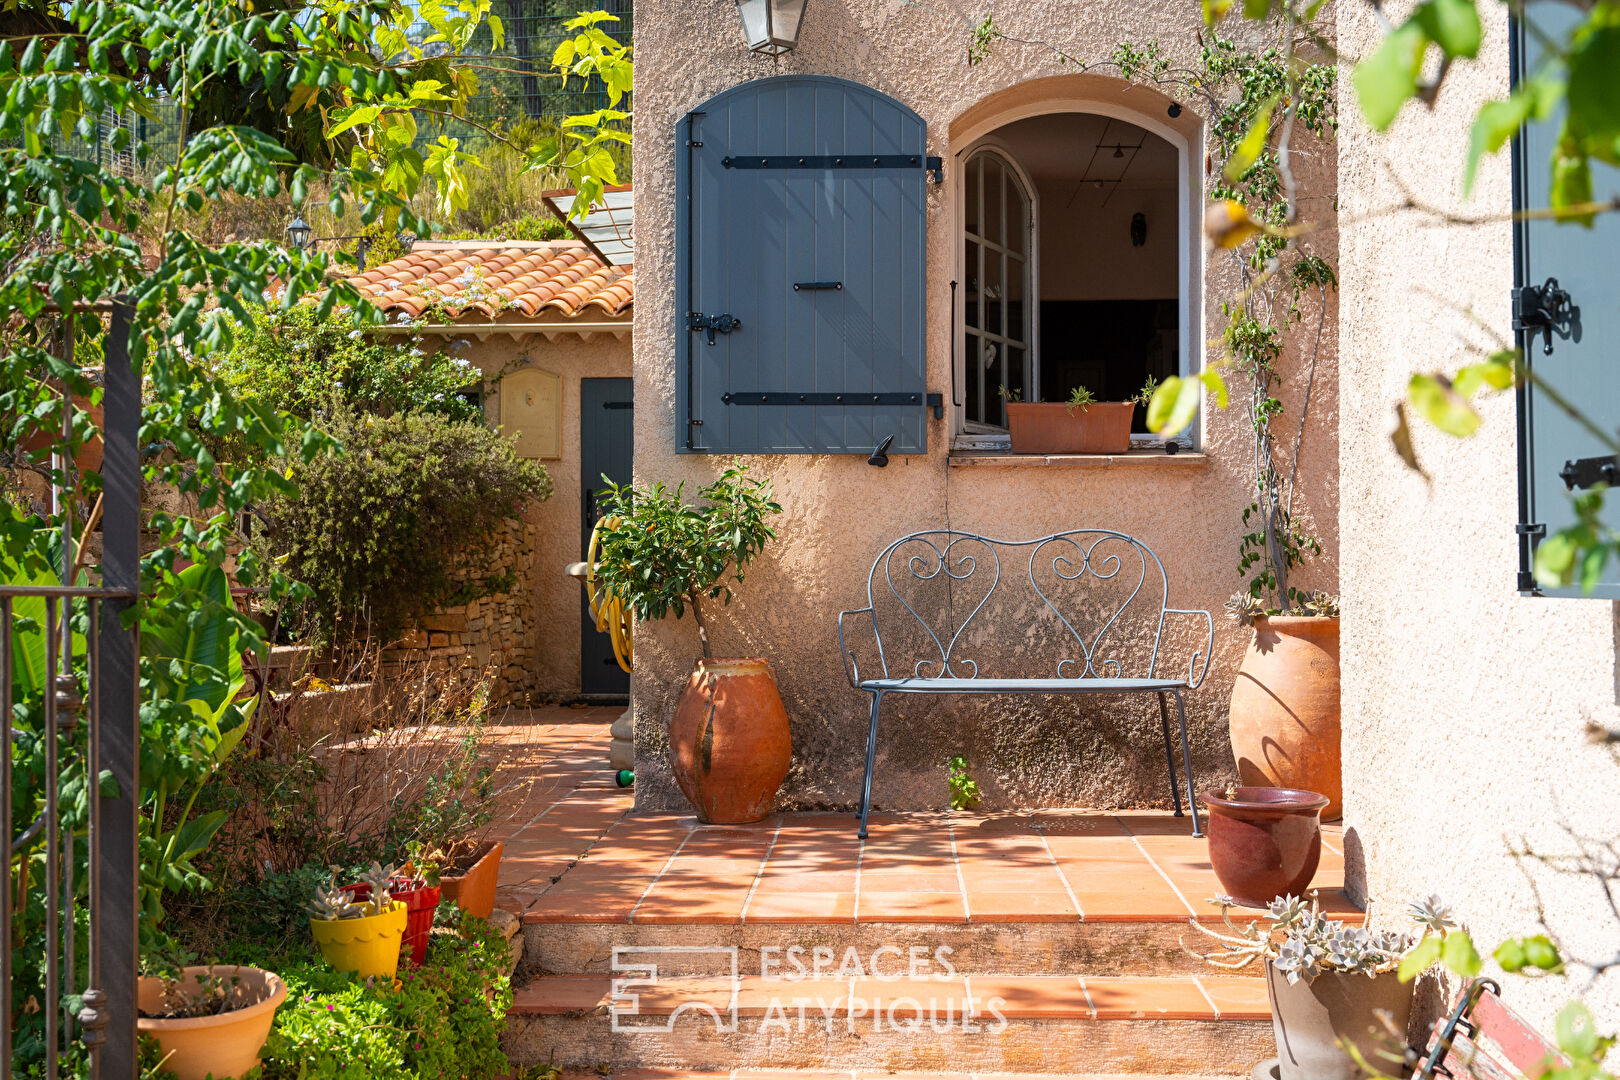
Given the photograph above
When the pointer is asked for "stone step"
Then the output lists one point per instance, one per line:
(1206, 1025)
(857, 1074)
(1021, 948)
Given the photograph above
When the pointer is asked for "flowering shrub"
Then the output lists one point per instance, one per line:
(380, 531)
(297, 363)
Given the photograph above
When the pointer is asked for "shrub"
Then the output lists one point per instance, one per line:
(387, 530)
(293, 362)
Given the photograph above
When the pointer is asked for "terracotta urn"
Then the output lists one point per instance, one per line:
(729, 742)
(1285, 707)
(1051, 427)
(1264, 842)
(226, 1044)
(1311, 1018)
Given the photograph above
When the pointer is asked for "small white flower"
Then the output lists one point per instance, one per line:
(355, 333)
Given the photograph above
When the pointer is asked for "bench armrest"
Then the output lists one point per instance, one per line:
(852, 668)
(1205, 652)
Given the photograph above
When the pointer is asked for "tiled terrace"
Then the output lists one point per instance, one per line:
(574, 853)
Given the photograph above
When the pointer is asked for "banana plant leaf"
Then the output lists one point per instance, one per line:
(204, 660)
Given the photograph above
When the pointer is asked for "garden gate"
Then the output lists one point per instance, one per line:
(78, 716)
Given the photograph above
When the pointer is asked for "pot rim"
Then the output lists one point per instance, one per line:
(1065, 405)
(270, 1002)
(1294, 620)
(1291, 800)
(480, 853)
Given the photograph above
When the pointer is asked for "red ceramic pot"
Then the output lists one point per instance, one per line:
(420, 901)
(1264, 842)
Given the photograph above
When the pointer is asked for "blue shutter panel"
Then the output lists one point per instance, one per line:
(1582, 364)
(746, 235)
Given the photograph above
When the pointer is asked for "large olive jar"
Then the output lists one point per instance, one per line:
(1285, 708)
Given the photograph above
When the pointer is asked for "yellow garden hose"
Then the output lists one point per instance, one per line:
(612, 617)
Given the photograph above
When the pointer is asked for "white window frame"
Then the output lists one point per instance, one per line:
(1189, 255)
(1030, 340)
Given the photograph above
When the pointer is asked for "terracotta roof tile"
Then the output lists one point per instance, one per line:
(486, 279)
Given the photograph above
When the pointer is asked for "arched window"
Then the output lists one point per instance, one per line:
(998, 260)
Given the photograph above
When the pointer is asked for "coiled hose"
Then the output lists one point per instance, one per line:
(607, 608)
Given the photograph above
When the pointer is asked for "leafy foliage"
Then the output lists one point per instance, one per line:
(659, 554)
(379, 531)
(964, 789)
(589, 146)
(292, 362)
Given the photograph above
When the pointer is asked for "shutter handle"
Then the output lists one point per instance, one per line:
(714, 324)
(1546, 308)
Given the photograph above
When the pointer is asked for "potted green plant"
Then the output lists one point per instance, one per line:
(359, 936)
(1080, 425)
(730, 746)
(210, 1020)
(1335, 989)
(447, 822)
(416, 885)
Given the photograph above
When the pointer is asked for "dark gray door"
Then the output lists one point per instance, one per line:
(605, 448)
(1584, 364)
(800, 270)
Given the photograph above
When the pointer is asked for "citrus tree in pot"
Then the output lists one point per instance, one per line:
(729, 740)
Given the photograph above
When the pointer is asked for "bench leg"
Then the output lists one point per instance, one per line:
(1169, 754)
(871, 760)
(1186, 761)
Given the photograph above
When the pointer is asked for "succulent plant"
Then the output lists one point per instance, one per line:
(1301, 943)
(381, 880)
(332, 903)
(1244, 607)
(1323, 604)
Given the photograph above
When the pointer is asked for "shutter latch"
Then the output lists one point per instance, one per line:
(1546, 308)
(714, 324)
(1589, 472)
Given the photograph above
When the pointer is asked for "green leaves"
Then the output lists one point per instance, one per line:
(1451, 24)
(1537, 952)
(1388, 78)
(1254, 142)
(1594, 72)
(1457, 952)
(1437, 401)
(1580, 551)
(1419, 959)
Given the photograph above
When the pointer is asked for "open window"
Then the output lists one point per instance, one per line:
(1073, 250)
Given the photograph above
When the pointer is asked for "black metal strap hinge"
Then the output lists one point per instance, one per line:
(934, 401)
(1589, 472)
(934, 165)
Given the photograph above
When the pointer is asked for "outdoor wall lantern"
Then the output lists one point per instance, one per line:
(771, 26)
(298, 233)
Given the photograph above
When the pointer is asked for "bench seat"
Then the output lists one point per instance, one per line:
(1020, 686)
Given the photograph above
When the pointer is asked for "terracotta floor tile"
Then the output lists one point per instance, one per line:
(561, 994)
(801, 907)
(910, 907)
(690, 905)
(774, 880)
(884, 881)
(1021, 907)
(1029, 996)
(910, 998)
(1237, 998)
(553, 906)
(1150, 999)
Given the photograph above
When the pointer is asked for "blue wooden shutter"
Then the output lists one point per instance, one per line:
(1580, 319)
(799, 239)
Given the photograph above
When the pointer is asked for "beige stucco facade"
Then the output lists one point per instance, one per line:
(1464, 703)
(839, 511)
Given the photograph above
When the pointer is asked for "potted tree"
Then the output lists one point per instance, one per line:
(1336, 990)
(729, 741)
(1080, 425)
(210, 1020)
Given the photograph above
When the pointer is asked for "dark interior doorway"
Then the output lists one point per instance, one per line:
(606, 444)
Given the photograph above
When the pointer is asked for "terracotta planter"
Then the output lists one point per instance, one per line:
(1049, 427)
(1310, 1017)
(474, 890)
(368, 947)
(226, 1045)
(88, 459)
(729, 742)
(1264, 842)
(1285, 707)
(420, 904)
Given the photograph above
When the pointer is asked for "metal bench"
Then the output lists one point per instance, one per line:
(1092, 563)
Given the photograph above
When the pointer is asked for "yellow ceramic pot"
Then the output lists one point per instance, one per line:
(222, 1046)
(367, 946)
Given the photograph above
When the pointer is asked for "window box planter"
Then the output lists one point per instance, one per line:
(1052, 427)
(226, 1044)
(473, 888)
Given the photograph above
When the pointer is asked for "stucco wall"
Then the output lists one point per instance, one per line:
(554, 613)
(1464, 703)
(839, 511)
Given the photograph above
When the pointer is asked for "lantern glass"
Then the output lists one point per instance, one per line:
(298, 231)
(771, 26)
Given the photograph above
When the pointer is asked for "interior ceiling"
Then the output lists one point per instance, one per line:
(1071, 148)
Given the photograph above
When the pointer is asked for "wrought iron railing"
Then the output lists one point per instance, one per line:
(70, 780)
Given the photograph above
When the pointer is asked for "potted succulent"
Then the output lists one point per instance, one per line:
(210, 1020)
(359, 936)
(1337, 997)
(1285, 702)
(1264, 842)
(1081, 425)
(416, 885)
(729, 742)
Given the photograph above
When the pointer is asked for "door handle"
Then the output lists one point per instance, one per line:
(714, 324)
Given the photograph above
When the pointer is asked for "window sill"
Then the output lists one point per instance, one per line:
(1144, 458)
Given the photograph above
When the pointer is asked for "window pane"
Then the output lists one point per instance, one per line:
(970, 301)
(1015, 300)
(972, 399)
(1016, 377)
(1017, 216)
(971, 215)
(994, 290)
(992, 199)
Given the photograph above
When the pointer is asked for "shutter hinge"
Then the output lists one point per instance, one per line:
(694, 142)
(1534, 529)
